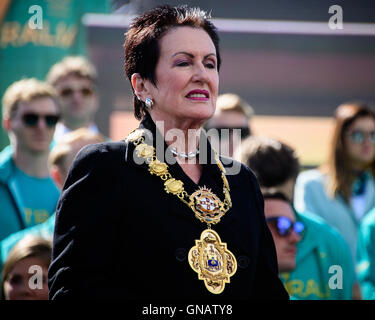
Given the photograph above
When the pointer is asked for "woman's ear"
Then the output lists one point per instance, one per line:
(139, 86)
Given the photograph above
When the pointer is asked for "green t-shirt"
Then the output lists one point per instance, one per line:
(26, 51)
(39, 197)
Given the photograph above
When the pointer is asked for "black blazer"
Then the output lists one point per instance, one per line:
(119, 235)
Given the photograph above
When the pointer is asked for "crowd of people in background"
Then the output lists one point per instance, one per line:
(319, 218)
(33, 168)
(322, 220)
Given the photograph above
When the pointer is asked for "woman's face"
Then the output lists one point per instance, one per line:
(359, 141)
(27, 280)
(187, 78)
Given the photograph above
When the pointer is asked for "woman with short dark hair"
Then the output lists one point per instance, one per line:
(158, 216)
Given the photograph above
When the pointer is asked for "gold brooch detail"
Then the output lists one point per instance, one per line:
(174, 186)
(158, 168)
(206, 206)
(135, 135)
(144, 150)
(213, 262)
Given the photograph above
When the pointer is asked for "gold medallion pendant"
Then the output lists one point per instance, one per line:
(213, 262)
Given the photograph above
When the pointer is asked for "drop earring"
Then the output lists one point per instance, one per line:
(149, 103)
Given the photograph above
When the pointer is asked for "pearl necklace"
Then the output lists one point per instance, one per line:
(185, 155)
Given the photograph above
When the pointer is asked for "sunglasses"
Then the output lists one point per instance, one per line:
(68, 92)
(284, 226)
(245, 131)
(359, 136)
(32, 119)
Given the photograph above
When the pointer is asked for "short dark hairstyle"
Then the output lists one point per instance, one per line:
(272, 161)
(142, 41)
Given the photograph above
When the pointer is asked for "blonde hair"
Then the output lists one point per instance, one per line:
(27, 247)
(61, 151)
(76, 65)
(233, 102)
(25, 90)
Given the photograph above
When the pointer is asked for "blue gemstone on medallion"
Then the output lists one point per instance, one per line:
(213, 263)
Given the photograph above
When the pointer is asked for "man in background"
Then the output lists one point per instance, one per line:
(60, 160)
(74, 79)
(28, 196)
(285, 229)
(232, 122)
(276, 166)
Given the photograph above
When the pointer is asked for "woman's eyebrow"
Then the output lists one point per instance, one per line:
(191, 55)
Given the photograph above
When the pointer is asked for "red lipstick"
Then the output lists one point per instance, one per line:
(197, 94)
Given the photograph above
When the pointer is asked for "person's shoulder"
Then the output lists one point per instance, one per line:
(6, 153)
(5, 163)
(42, 230)
(311, 175)
(230, 162)
(319, 226)
(236, 169)
(99, 156)
(312, 218)
(101, 150)
(312, 179)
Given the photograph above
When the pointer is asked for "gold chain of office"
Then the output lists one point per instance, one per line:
(209, 211)
(210, 258)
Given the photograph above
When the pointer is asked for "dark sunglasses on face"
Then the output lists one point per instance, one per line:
(32, 119)
(245, 131)
(359, 136)
(68, 92)
(284, 226)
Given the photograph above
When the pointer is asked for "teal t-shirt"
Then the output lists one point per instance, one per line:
(324, 267)
(39, 197)
(305, 284)
(44, 230)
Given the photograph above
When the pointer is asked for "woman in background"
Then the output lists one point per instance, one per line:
(343, 190)
(24, 275)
